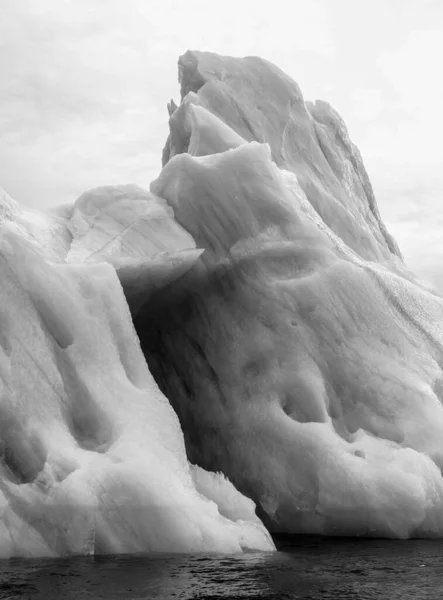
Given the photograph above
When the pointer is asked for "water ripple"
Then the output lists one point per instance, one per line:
(305, 568)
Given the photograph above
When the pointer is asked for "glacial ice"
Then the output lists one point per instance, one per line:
(92, 454)
(46, 231)
(289, 354)
(261, 103)
(123, 222)
(303, 359)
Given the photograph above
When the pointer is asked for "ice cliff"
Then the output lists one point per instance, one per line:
(303, 359)
(249, 314)
(92, 456)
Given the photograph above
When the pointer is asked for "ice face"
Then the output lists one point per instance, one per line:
(123, 222)
(197, 131)
(140, 278)
(309, 376)
(92, 457)
(301, 357)
(261, 103)
(47, 231)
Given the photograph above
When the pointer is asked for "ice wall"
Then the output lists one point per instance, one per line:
(92, 457)
(303, 360)
(113, 222)
(261, 103)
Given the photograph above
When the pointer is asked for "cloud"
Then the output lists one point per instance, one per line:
(405, 154)
(367, 103)
(85, 82)
(413, 69)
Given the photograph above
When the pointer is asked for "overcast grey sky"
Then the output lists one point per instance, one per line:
(85, 83)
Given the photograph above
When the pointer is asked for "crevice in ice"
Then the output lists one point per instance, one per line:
(5, 342)
(140, 278)
(22, 452)
(303, 409)
(87, 421)
(54, 323)
(323, 148)
(23, 459)
(437, 388)
(254, 135)
(205, 367)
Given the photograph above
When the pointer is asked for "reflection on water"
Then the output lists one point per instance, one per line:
(304, 568)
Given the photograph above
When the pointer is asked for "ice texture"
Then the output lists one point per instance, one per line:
(261, 103)
(46, 230)
(295, 364)
(303, 359)
(123, 221)
(92, 456)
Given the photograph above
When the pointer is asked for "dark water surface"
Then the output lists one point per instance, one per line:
(308, 568)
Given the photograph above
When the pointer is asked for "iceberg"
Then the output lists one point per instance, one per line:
(239, 349)
(303, 359)
(92, 456)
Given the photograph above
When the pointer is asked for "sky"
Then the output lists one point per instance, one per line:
(85, 84)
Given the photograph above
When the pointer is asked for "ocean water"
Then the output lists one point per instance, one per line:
(304, 568)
